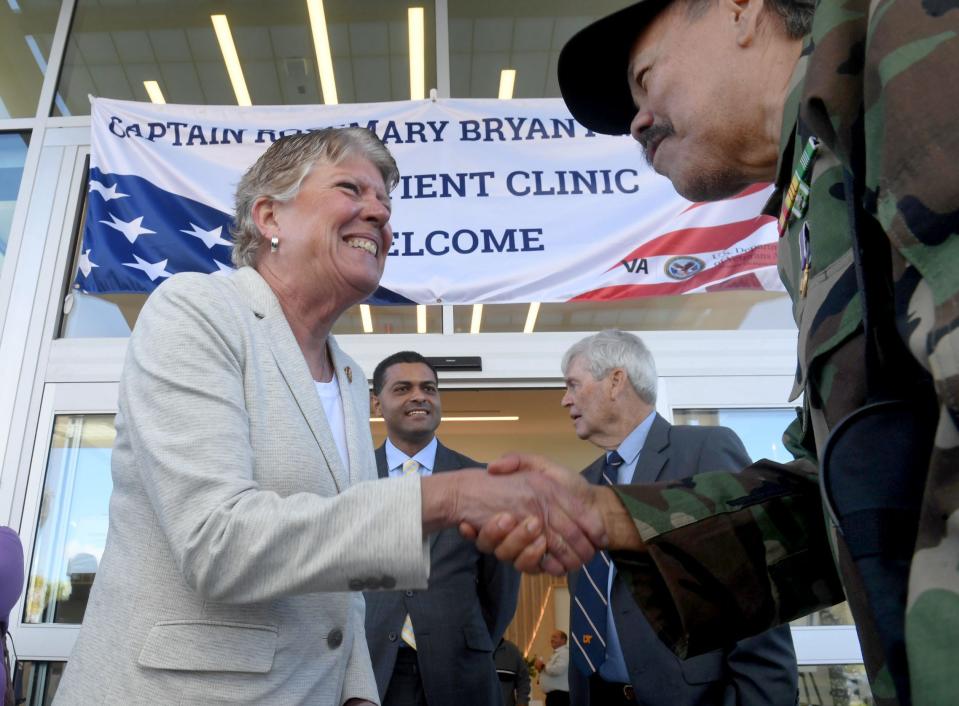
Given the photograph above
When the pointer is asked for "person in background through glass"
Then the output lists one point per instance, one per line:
(513, 673)
(554, 674)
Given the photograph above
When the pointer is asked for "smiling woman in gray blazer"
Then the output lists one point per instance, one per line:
(239, 531)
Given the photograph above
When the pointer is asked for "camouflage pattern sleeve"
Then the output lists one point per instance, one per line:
(911, 100)
(895, 63)
(796, 438)
(724, 551)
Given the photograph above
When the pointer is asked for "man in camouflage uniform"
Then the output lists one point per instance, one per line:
(710, 88)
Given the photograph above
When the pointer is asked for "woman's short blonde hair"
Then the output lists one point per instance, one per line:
(280, 171)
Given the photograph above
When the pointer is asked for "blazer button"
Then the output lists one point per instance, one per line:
(391, 637)
(357, 584)
(388, 582)
(409, 594)
(335, 638)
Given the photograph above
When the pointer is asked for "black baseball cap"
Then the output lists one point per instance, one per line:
(593, 68)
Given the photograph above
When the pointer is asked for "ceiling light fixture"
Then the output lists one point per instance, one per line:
(507, 79)
(417, 53)
(324, 57)
(477, 318)
(221, 25)
(153, 90)
(367, 317)
(531, 317)
(420, 318)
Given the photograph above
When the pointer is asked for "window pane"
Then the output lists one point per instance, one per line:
(114, 315)
(115, 47)
(389, 319)
(838, 614)
(761, 430)
(36, 682)
(72, 528)
(532, 421)
(834, 685)
(487, 37)
(101, 315)
(26, 32)
(13, 155)
(716, 311)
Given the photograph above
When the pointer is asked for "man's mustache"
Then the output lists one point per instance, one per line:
(654, 134)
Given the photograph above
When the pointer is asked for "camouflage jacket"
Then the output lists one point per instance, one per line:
(732, 554)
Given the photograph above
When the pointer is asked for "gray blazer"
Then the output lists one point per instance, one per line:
(458, 619)
(238, 541)
(759, 671)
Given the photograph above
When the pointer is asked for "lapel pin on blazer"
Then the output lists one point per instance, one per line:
(349, 373)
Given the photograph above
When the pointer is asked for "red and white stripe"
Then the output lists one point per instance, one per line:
(736, 246)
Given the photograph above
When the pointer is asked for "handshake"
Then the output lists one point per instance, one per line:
(529, 511)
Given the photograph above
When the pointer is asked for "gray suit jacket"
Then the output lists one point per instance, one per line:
(759, 671)
(458, 619)
(238, 541)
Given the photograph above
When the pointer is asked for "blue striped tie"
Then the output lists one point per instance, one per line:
(588, 619)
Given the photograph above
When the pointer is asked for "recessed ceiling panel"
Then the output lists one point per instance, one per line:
(106, 38)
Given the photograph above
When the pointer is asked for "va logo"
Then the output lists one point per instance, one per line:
(636, 265)
(587, 638)
(683, 267)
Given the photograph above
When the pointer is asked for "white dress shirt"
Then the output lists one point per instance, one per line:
(426, 457)
(555, 674)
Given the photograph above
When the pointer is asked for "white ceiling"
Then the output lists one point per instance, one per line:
(114, 46)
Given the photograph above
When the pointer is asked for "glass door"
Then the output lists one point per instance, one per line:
(64, 521)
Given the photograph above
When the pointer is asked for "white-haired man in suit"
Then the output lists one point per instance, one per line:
(611, 397)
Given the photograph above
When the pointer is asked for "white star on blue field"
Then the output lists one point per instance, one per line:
(137, 234)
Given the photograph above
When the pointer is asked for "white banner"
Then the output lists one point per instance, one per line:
(499, 201)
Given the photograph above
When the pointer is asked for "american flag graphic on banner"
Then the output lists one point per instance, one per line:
(136, 235)
(498, 202)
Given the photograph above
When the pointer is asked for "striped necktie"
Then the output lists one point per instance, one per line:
(588, 620)
(410, 467)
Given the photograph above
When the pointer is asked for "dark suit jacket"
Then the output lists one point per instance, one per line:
(458, 620)
(759, 671)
